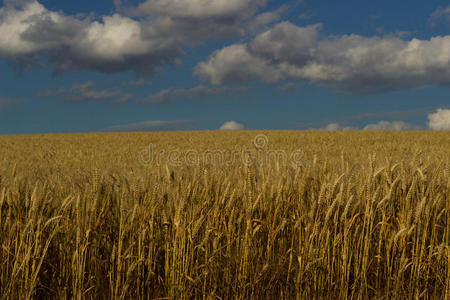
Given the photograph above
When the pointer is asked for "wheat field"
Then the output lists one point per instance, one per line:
(225, 215)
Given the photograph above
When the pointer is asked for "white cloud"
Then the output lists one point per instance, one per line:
(338, 127)
(352, 63)
(394, 125)
(286, 42)
(232, 125)
(199, 8)
(199, 19)
(112, 44)
(440, 120)
(114, 38)
(235, 64)
(260, 21)
(382, 125)
(17, 24)
(119, 43)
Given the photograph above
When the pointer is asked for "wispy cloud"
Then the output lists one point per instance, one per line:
(87, 91)
(306, 15)
(392, 126)
(124, 98)
(198, 92)
(439, 15)
(154, 126)
(117, 4)
(50, 92)
(138, 82)
(7, 102)
(400, 114)
(382, 125)
(291, 86)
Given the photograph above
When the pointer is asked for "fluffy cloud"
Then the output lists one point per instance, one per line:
(232, 125)
(440, 120)
(111, 44)
(197, 92)
(235, 64)
(118, 43)
(207, 18)
(394, 125)
(154, 126)
(350, 63)
(17, 26)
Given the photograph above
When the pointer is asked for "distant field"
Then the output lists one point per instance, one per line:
(225, 215)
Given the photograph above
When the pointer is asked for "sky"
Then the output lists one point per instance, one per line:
(151, 65)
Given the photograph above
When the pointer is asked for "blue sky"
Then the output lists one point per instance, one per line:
(82, 66)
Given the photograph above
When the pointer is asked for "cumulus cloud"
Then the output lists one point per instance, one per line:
(110, 44)
(394, 125)
(118, 42)
(234, 64)
(197, 92)
(439, 120)
(207, 18)
(154, 126)
(351, 63)
(232, 125)
(19, 20)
